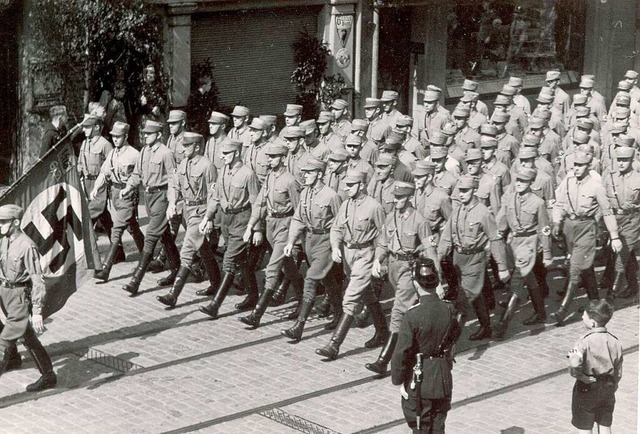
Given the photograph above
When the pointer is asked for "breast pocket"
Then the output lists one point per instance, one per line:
(409, 239)
(15, 267)
(94, 161)
(322, 211)
(528, 217)
(235, 192)
(280, 197)
(362, 224)
(473, 229)
(155, 167)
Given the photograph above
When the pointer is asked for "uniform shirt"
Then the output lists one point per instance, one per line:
(174, 143)
(213, 151)
(382, 192)
(561, 100)
(445, 181)
(327, 144)
(20, 263)
(154, 168)
(482, 108)
(407, 158)
(257, 160)
(93, 152)
(583, 198)
(279, 195)
(599, 353)
(295, 161)
(522, 102)
(369, 152)
(317, 208)
(542, 164)
(597, 107)
(508, 148)
(467, 138)
(401, 172)
(361, 165)
(377, 128)
(519, 116)
(550, 145)
(342, 128)
(542, 186)
(193, 180)
(359, 221)
(476, 119)
(405, 233)
(499, 171)
(623, 190)
(489, 192)
(335, 180)
(391, 118)
(242, 134)
(434, 204)
(119, 164)
(426, 124)
(237, 188)
(413, 145)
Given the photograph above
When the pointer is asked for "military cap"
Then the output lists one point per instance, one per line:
(293, 132)
(544, 98)
(438, 152)
(259, 124)
(631, 74)
(276, 149)
(470, 85)
(585, 123)
(625, 152)
(508, 90)
(473, 154)
(502, 100)
(537, 123)
(404, 121)
(119, 129)
(527, 174)
(501, 117)
(10, 212)
(527, 153)
(57, 110)
(372, 103)
(359, 125)
(313, 163)
(530, 140)
(293, 110)
(152, 127)
(437, 139)
(270, 119)
(624, 85)
(488, 129)
(579, 99)
(434, 88)
(190, 138)
(339, 104)
(543, 114)
(623, 99)
(583, 111)
(91, 120)
(231, 145)
(354, 176)
(309, 126)
(353, 139)
(586, 148)
(176, 116)
(467, 181)
(424, 168)
(622, 112)
(388, 95)
(582, 158)
(449, 129)
(325, 117)
(460, 112)
(552, 75)
(425, 273)
(337, 156)
(626, 140)
(617, 129)
(396, 137)
(586, 83)
(218, 118)
(401, 188)
(431, 96)
(391, 145)
(515, 81)
(239, 111)
(384, 160)
(488, 142)
(470, 97)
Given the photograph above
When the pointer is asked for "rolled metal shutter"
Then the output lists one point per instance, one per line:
(252, 55)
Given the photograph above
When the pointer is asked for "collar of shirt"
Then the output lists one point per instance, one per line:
(194, 159)
(470, 206)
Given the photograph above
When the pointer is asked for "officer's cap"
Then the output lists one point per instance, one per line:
(473, 154)
(527, 174)
(501, 100)
(425, 273)
(579, 99)
(276, 149)
(437, 139)
(586, 83)
(401, 188)
(626, 140)
(617, 129)
(467, 181)
(470, 85)
(537, 123)
(552, 75)
(585, 123)
(270, 119)
(582, 158)
(354, 176)
(508, 90)
(624, 152)
(293, 110)
(353, 139)
(431, 96)
(501, 117)
(391, 145)
(359, 125)
(434, 88)
(218, 118)
(339, 104)
(580, 137)
(337, 156)
(309, 126)
(631, 74)
(488, 129)
(190, 138)
(396, 137)
(258, 124)
(239, 111)
(10, 212)
(231, 145)
(544, 98)
(388, 95)
(325, 117)
(176, 116)
(515, 81)
(313, 163)
(470, 97)
(488, 142)
(622, 112)
(384, 160)
(119, 129)
(530, 140)
(583, 111)
(372, 103)
(543, 114)
(438, 152)
(404, 121)
(460, 112)
(152, 127)
(624, 85)
(586, 148)
(623, 99)
(424, 168)
(449, 129)
(527, 153)
(294, 132)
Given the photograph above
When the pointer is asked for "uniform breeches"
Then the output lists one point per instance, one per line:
(317, 247)
(357, 265)
(277, 234)
(156, 204)
(233, 227)
(15, 306)
(405, 294)
(193, 240)
(581, 243)
(125, 216)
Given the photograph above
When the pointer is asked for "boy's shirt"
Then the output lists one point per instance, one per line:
(597, 353)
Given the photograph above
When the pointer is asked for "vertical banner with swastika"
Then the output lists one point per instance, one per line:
(56, 218)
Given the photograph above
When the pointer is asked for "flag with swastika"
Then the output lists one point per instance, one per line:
(56, 218)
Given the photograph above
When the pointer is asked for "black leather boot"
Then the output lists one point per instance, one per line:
(362, 319)
(106, 268)
(298, 288)
(249, 278)
(618, 286)
(380, 365)
(136, 234)
(253, 319)
(591, 284)
(560, 315)
(295, 333)
(335, 299)
(501, 327)
(484, 332)
(280, 295)
(380, 324)
(169, 279)
(331, 350)
(133, 286)
(157, 265)
(4, 360)
(212, 308)
(15, 359)
(537, 300)
(42, 360)
(213, 271)
(171, 298)
(323, 308)
(487, 293)
(120, 256)
(173, 259)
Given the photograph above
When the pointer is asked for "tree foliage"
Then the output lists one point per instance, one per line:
(96, 42)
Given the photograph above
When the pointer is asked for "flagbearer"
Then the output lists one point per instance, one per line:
(115, 172)
(21, 280)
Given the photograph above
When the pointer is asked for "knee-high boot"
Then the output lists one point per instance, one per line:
(211, 309)
(136, 234)
(537, 300)
(171, 298)
(331, 350)
(560, 315)
(334, 294)
(173, 259)
(106, 268)
(380, 365)
(253, 319)
(295, 333)
(380, 324)
(249, 278)
(501, 326)
(42, 360)
(482, 313)
(591, 284)
(133, 286)
(213, 271)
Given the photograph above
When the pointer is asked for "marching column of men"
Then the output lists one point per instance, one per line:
(363, 199)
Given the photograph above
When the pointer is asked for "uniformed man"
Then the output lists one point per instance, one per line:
(292, 116)
(470, 100)
(596, 105)
(378, 128)
(508, 145)
(335, 173)
(241, 130)
(313, 217)
(213, 150)
(523, 221)
(273, 209)
(369, 149)
(390, 113)
(578, 199)
(623, 192)
(517, 123)
(542, 164)
(234, 192)
(465, 137)
(381, 186)
(404, 239)
(115, 171)
(631, 77)
(410, 143)
(431, 119)
(429, 331)
(391, 147)
(472, 86)
(255, 157)
(353, 237)
(519, 99)
(342, 125)
(328, 140)
(273, 133)
(491, 165)
(560, 97)
(153, 170)
(471, 227)
(443, 178)
(353, 147)
(22, 291)
(443, 142)
(177, 122)
(93, 153)
(192, 183)
(489, 190)
(294, 140)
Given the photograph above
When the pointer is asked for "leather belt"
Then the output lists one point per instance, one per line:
(524, 234)
(237, 210)
(319, 231)
(6, 284)
(359, 245)
(280, 215)
(156, 189)
(402, 257)
(118, 186)
(91, 177)
(194, 202)
(626, 211)
(580, 218)
(469, 251)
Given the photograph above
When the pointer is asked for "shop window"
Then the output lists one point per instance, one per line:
(495, 39)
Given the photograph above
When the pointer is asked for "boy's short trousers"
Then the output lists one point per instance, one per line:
(593, 402)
